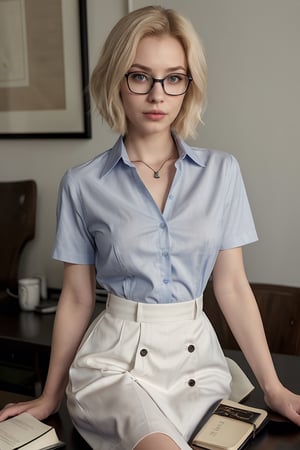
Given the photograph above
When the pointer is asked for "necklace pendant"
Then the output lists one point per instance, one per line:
(156, 174)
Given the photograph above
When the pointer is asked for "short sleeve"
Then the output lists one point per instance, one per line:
(73, 242)
(238, 224)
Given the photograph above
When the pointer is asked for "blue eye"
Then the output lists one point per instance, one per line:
(139, 77)
(175, 78)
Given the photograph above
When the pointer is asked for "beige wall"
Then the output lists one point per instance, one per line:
(253, 112)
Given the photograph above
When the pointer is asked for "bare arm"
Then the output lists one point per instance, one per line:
(240, 309)
(73, 314)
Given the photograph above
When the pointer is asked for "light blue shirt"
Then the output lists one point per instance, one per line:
(107, 217)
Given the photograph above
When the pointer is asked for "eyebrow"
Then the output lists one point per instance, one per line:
(148, 69)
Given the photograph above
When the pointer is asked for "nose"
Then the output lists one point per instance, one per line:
(157, 92)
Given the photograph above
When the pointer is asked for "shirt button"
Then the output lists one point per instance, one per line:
(162, 225)
(143, 352)
(191, 382)
(191, 348)
(165, 253)
(165, 281)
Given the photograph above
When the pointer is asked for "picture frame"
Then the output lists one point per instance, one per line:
(44, 70)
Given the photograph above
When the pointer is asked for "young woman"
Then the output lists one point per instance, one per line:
(150, 220)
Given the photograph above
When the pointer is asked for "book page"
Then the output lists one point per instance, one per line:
(25, 429)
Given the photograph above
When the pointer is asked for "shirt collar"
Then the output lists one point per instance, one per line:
(197, 155)
(114, 155)
(118, 152)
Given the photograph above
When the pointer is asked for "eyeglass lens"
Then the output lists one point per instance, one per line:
(173, 84)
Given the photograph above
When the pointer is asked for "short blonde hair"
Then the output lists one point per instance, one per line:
(118, 54)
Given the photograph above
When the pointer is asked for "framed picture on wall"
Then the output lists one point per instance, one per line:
(44, 69)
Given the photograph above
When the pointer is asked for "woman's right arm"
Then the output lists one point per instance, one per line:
(75, 307)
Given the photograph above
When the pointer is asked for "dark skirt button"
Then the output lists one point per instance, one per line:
(191, 348)
(143, 352)
(191, 382)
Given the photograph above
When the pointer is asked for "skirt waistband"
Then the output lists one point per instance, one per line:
(153, 312)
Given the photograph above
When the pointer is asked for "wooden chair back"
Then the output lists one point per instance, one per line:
(17, 226)
(280, 310)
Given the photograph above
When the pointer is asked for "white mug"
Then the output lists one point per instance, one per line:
(29, 293)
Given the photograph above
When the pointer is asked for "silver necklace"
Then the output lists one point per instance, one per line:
(156, 173)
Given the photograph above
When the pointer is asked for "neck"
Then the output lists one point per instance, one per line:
(152, 150)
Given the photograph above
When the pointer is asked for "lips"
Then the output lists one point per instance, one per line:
(155, 114)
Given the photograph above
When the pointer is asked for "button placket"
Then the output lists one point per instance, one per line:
(165, 262)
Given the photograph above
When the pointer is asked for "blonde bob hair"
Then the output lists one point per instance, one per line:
(118, 55)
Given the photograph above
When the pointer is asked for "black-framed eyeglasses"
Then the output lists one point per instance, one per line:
(173, 84)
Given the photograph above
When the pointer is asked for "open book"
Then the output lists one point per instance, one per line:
(230, 426)
(25, 432)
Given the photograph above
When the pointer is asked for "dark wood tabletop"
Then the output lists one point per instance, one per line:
(30, 328)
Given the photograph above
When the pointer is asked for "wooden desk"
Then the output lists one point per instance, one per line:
(25, 344)
(32, 332)
(29, 328)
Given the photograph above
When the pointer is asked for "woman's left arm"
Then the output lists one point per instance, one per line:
(240, 309)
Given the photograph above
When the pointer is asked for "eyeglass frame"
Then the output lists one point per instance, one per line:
(161, 81)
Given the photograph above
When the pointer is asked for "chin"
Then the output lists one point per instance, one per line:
(154, 128)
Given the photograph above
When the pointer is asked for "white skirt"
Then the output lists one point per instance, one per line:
(146, 368)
